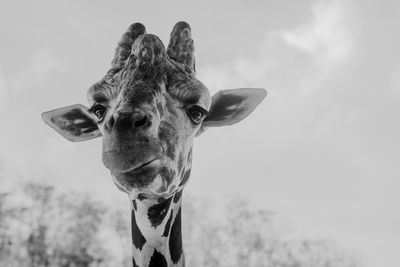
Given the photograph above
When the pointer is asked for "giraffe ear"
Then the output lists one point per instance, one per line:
(231, 106)
(75, 123)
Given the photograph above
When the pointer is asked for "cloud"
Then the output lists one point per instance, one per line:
(325, 35)
(17, 99)
(42, 65)
(298, 59)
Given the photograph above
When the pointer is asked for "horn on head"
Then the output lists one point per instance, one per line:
(148, 49)
(149, 57)
(180, 46)
(124, 47)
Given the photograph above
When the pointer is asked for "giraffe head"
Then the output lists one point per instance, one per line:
(148, 108)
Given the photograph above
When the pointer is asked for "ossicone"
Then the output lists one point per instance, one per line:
(181, 48)
(123, 50)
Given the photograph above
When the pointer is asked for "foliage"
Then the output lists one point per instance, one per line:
(69, 229)
(56, 229)
(249, 237)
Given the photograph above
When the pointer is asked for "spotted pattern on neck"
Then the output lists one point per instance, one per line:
(156, 232)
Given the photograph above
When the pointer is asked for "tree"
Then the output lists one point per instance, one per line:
(11, 239)
(248, 237)
(71, 229)
(63, 228)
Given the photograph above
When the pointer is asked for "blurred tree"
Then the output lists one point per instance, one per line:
(10, 240)
(36, 244)
(5, 239)
(64, 228)
(70, 229)
(248, 237)
(119, 222)
(73, 238)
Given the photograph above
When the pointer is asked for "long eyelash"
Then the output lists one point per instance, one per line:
(205, 112)
(92, 108)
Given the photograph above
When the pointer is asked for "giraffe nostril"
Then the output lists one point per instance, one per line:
(128, 121)
(141, 122)
(124, 123)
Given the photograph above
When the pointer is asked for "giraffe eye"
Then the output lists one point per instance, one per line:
(196, 114)
(99, 111)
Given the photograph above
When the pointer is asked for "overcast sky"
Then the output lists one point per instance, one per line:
(322, 150)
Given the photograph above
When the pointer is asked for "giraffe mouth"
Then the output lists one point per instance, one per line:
(143, 168)
(143, 165)
(140, 176)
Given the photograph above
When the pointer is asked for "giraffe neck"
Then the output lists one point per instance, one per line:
(156, 232)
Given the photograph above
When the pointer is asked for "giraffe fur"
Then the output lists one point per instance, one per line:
(157, 243)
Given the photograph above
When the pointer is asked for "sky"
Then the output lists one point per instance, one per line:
(322, 150)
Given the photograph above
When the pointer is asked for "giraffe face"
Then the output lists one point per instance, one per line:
(148, 128)
(148, 108)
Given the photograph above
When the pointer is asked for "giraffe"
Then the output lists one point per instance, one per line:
(147, 109)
